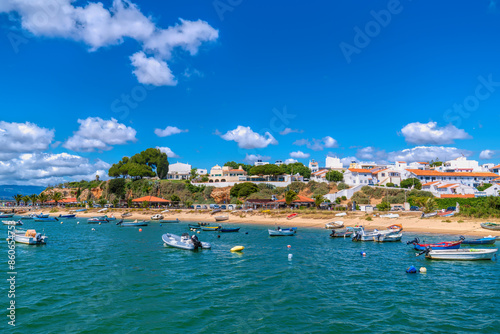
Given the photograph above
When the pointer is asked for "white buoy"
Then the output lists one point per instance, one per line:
(290, 256)
(93, 229)
(61, 222)
(78, 222)
(423, 270)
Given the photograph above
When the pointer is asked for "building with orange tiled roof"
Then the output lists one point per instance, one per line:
(471, 179)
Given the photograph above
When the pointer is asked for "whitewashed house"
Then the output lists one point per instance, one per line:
(333, 163)
(313, 166)
(359, 176)
(471, 179)
(179, 171)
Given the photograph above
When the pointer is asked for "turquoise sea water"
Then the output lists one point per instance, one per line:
(120, 280)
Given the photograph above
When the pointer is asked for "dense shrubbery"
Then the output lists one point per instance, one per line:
(480, 207)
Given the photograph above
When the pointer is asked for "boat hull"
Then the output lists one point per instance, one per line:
(227, 230)
(281, 233)
(440, 245)
(482, 241)
(388, 238)
(334, 225)
(175, 241)
(471, 254)
(491, 226)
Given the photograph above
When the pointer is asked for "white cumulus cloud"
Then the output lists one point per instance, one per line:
(97, 26)
(317, 144)
(169, 131)
(24, 137)
(486, 154)
(299, 155)
(247, 138)
(290, 161)
(95, 133)
(168, 151)
(418, 153)
(430, 133)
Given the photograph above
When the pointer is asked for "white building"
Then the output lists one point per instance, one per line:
(313, 166)
(471, 179)
(179, 171)
(461, 164)
(333, 163)
(278, 162)
(260, 163)
(201, 171)
(440, 188)
(355, 177)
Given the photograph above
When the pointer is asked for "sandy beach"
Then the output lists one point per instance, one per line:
(410, 221)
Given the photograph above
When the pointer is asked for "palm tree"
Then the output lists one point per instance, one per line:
(56, 197)
(26, 200)
(290, 196)
(34, 199)
(427, 203)
(43, 198)
(318, 199)
(18, 198)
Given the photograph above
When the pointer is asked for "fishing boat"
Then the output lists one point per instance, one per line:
(6, 215)
(194, 227)
(80, 210)
(42, 215)
(165, 211)
(157, 217)
(30, 216)
(342, 233)
(126, 214)
(12, 222)
(335, 224)
(293, 215)
(102, 210)
(184, 242)
(221, 218)
(294, 229)
(97, 220)
(465, 254)
(210, 228)
(390, 215)
(341, 214)
(111, 218)
(446, 213)
(48, 219)
(428, 215)
(361, 235)
(281, 233)
(229, 229)
(481, 241)
(491, 226)
(388, 237)
(67, 216)
(439, 245)
(134, 223)
(215, 211)
(29, 237)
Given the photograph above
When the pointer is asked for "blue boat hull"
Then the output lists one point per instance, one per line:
(482, 241)
(421, 248)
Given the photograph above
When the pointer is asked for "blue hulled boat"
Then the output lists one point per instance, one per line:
(480, 241)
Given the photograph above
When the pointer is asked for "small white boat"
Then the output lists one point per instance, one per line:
(390, 215)
(184, 241)
(6, 215)
(134, 223)
(165, 211)
(361, 235)
(388, 237)
(281, 233)
(463, 254)
(12, 222)
(157, 217)
(102, 210)
(428, 215)
(126, 214)
(221, 218)
(29, 216)
(335, 224)
(341, 214)
(110, 218)
(29, 237)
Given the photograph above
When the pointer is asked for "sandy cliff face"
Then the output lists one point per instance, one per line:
(221, 194)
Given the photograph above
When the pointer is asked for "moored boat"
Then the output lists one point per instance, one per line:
(428, 215)
(157, 217)
(12, 222)
(334, 224)
(110, 218)
(126, 214)
(388, 237)
(464, 254)
(293, 215)
(170, 221)
(6, 215)
(341, 214)
(29, 237)
(439, 245)
(30, 216)
(97, 220)
(46, 219)
(42, 215)
(480, 241)
(361, 235)
(491, 226)
(390, 215)
(210, 228)
(221, 218)
(229, 229)
(342, 233)
(67, 216)
(134, 223)
(281, 232)
(184, 242)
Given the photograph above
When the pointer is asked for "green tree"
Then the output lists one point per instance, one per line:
(26, 200)
(244, 189)
(334, 176)
(436, 163)
(428, 204)
(33, 199)
(18, 198)
(56, 197)
(78, 193)
(269, 169)
(102, 202)
(145, 204)
(147, 163)
(204, 179)
(175, 198)
(236, 165)
(129, 202)
(411, 182)
(290, 196)
(297, 167)
(116, 201)
(43, 198)
(193, 173)
(318, 199)
(117, 187)
(384, 206)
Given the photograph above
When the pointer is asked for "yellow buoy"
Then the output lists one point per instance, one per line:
(237, 249)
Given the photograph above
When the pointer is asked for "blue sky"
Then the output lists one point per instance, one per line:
(229, 72)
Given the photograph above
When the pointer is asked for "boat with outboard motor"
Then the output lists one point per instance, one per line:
(439, 245)
(12, 222)
(29, 237)
(342, 233)
(6, 215)
(391, 233)
(464, 254)
(489, 240)
(134, 223)
(157, 217)
(67, 216)
(97, 220)
(46, 219)
(279, 232)
(184, 242)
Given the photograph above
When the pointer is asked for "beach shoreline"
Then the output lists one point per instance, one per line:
(410, 221)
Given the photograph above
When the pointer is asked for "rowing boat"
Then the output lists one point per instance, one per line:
(491, 226)
(335, 224)
(466, 254)
(481, 241)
